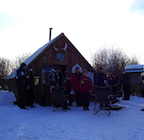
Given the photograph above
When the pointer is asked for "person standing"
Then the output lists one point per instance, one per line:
(142, 78)
(30, 84)
(67, 85)
(75, 82)
(86, 89)
(21, 77)
(125, 82)
(100, 79)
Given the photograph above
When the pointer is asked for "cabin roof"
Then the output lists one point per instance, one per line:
(34, 55)
(134, 68)
(38, 52)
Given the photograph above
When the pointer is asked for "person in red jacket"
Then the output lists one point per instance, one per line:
(86, 89)
(75, 82)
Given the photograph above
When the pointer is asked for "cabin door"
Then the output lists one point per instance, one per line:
(63, 68)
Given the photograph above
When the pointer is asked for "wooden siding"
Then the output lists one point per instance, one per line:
(135, 78)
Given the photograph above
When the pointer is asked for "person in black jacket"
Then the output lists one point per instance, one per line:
(57, 77)
(125, 82)
(21, 78)
(100, 79)
(30, 84)
(67, 85)
(58, 81)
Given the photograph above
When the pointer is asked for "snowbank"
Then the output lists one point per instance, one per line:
(6, 98)
(41, 123)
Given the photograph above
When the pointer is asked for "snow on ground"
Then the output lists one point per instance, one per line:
(41, 123)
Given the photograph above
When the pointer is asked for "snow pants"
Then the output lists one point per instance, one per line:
(22, 96)
(78, 98)
(85, 99)
(29, 97)
(126, 88)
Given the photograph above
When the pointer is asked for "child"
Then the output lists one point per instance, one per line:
(86, 89)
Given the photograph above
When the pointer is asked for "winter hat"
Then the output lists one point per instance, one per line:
(101, 68)
(77, 67)
(23, 64)
(66, 72)
(85, 70)
(57, 68)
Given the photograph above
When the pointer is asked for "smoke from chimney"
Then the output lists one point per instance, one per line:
(50, 34)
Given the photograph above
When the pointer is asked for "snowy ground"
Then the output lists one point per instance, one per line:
(41, 123)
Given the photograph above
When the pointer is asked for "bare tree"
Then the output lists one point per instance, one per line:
(18, 60)
(7, 66)
(113, 59)
(4, 70)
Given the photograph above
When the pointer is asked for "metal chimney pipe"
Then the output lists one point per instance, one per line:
(50, 34)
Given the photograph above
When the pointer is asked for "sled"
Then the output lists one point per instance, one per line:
(117, 107)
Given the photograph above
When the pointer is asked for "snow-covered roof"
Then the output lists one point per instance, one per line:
(134, 68)
(32, 57)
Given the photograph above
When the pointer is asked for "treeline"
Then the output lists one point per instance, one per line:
(113, 59)
(8, 66)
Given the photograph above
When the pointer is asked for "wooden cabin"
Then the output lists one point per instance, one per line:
(58, 51)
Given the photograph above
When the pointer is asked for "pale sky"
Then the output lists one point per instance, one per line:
(88, 24)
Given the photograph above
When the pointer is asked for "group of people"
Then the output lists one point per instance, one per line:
(102, 80)
(25, 83)
(79, 83)
(82, 86)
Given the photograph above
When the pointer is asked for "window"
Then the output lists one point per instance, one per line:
(60, 57)
(36, 80)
